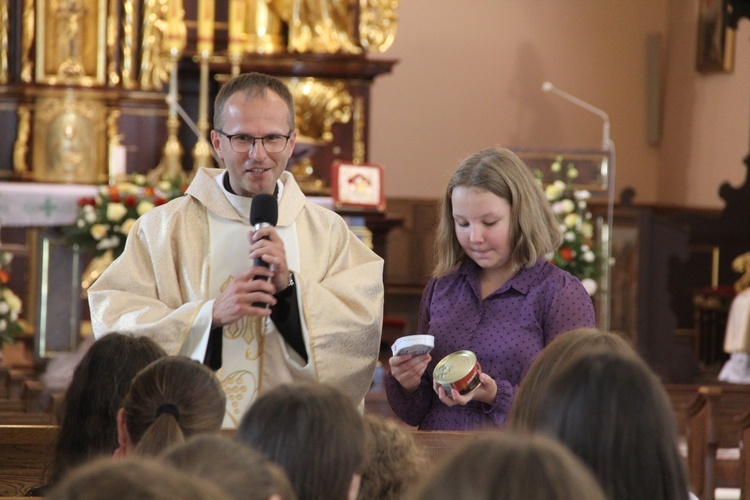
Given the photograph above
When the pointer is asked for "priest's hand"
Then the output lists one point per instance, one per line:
(407, 369)
(242, 296)
(265, 244)
(486, 392)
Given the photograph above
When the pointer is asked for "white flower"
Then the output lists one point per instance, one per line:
(13, 316)
(116, 211)
(556, 166)
(144, 207)
(127, 226)
(3, 325)
(571, 220)
(572, 171)
(139, 179)
(569, 236)
(164, 186)
(127, 188)
(80, 223)
(558, 208)
(88, 214)
(13, 301)
(590, 286)
(103, 191)
(568, 205)
(99, 231)
(4, 308)
(6, 258)
(108, 243)
(581, 195)
(587, 230)
(589, 256)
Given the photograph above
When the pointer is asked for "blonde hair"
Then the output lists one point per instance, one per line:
(534, 228)
(393, 461)
(171, 399)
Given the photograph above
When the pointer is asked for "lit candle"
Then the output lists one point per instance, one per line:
(236, 26)
(174, 25)
(205, 26)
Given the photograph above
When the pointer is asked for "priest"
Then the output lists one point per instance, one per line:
(263, 305)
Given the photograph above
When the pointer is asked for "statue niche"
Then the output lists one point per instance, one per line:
(321, 26)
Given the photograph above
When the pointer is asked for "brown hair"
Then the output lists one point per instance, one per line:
(88, 419)
(534, 228)
(393, 462)
(171, 399)
(141, 478)
(313, 431)
(554, 358)
(252, 85)
(244, 473)
(614, 414)
(503, 466)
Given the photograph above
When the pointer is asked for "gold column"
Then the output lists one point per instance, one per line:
(4, 20)
(236, 35)
(202, 149)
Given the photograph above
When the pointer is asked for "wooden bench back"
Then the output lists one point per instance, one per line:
(438, 444)
(710, 418)
(25, 452)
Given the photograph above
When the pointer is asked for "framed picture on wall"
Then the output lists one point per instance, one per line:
(358, 186)
(715, 51)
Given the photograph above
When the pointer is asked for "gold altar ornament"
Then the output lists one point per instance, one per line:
(263, 29)
(318, 104)
(70, 138)
(176, 32)
(71, 42)
(205, 43)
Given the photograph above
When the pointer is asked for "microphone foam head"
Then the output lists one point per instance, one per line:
(264, 209)
(547, 86)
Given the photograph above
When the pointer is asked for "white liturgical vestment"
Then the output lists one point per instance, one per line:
(179, 257)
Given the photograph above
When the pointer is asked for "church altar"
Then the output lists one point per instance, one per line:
(26, 204)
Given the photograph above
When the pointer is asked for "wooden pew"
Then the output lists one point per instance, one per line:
(438, 444)
(25, 452)
(712, 423)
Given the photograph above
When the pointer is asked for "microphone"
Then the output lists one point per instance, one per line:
(264, 212)
(548, 87)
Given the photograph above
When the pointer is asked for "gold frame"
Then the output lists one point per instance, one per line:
(69, 137)
(715, 42)
(91, 68)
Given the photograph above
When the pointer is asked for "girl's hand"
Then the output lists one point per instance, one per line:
(486, 392)
(408, 369)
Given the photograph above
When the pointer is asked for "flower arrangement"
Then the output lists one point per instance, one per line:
(104, 221)
(577, 254)
(10, 304)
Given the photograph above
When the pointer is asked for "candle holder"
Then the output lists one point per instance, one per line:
(172, 152)
(202, 150)
(235, 59)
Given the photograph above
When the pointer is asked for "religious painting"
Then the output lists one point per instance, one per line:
(715, 51)
(71, 41)
(358, 186)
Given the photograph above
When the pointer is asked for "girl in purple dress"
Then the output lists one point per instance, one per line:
(492, 292)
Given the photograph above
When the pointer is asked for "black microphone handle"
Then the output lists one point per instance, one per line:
(260, 262)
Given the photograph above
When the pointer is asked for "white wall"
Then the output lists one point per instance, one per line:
(469, 77)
